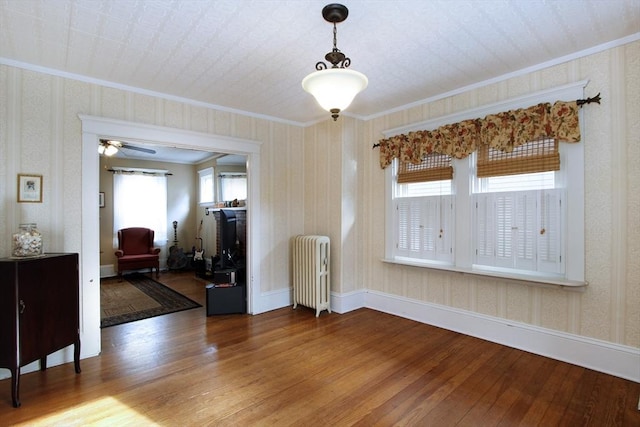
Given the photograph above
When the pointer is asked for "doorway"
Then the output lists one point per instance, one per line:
(165, 187)
(95, 128)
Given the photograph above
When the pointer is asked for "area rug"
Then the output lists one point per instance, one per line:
(138, 297)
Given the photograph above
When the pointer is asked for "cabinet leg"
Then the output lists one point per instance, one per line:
(15, 387)
(43, 364)
(76, 355)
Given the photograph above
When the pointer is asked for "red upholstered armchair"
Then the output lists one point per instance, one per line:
(136, 250)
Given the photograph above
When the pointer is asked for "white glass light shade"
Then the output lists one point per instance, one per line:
(335, 88)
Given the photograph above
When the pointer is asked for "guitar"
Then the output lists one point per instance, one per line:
(177, 259)
(198, 255)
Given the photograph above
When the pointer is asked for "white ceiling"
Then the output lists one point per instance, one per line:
(250, 56)
(164, 153)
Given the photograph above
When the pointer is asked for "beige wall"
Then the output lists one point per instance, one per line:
(326, 179)
(332, 189)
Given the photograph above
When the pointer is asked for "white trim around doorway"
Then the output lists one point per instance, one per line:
(94, 128)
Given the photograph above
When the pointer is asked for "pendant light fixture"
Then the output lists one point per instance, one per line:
(334, 88)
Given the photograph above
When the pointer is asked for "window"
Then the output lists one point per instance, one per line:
(525, 181)
(206, 186)
(424, 209)
(519, 220)
(233, 185)
(541, 155)
(140, 200)
(431, 177)
(517, 214)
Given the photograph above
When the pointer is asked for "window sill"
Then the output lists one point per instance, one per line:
(554, 282)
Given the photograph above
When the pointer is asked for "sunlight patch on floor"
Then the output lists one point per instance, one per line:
(106, 411)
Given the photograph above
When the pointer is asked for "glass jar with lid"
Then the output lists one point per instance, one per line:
(27, 241)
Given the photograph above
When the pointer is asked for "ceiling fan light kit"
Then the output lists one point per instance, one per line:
(335, 88)
(109, 147)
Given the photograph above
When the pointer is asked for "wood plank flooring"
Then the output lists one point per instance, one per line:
(287, 367)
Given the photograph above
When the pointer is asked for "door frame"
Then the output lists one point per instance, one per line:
(95, 128)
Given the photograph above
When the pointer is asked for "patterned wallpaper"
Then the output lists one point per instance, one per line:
(326, 179)
(41, 133)
(609, 308)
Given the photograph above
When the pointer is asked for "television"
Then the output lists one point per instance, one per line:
(228, 238)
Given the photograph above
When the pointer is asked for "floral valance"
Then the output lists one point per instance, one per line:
(503, 131)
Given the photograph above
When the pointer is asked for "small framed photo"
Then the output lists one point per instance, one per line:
(101, 199)
(29, 188)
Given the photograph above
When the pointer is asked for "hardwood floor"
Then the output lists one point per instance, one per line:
(287, 367)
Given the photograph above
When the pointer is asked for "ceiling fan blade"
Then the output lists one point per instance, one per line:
(133, 147)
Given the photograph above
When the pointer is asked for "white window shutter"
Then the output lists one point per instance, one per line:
(549, 232)
(444, 241)
(485, 230)
(504, 225)
(420, 221)
(409, 238)
(415, 227)
(430, 227)
(402, 239)
(520, 230)
(525, 230)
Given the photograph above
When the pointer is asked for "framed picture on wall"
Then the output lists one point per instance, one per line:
(29, 188)
(101, 199)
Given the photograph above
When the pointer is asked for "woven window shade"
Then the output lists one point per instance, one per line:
(535, 156)
(434, 167)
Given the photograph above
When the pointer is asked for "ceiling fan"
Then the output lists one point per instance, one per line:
(110, 147)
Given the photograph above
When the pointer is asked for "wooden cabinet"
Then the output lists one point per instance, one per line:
(39, 312)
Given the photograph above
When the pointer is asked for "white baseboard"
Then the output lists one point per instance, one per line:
(618, 360)
(344, 303)
(107, 270)
(273, 300)
(340, 303)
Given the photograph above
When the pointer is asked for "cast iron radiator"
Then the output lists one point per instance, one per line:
(311, 272)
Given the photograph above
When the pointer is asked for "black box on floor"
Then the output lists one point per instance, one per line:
(225, 299)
